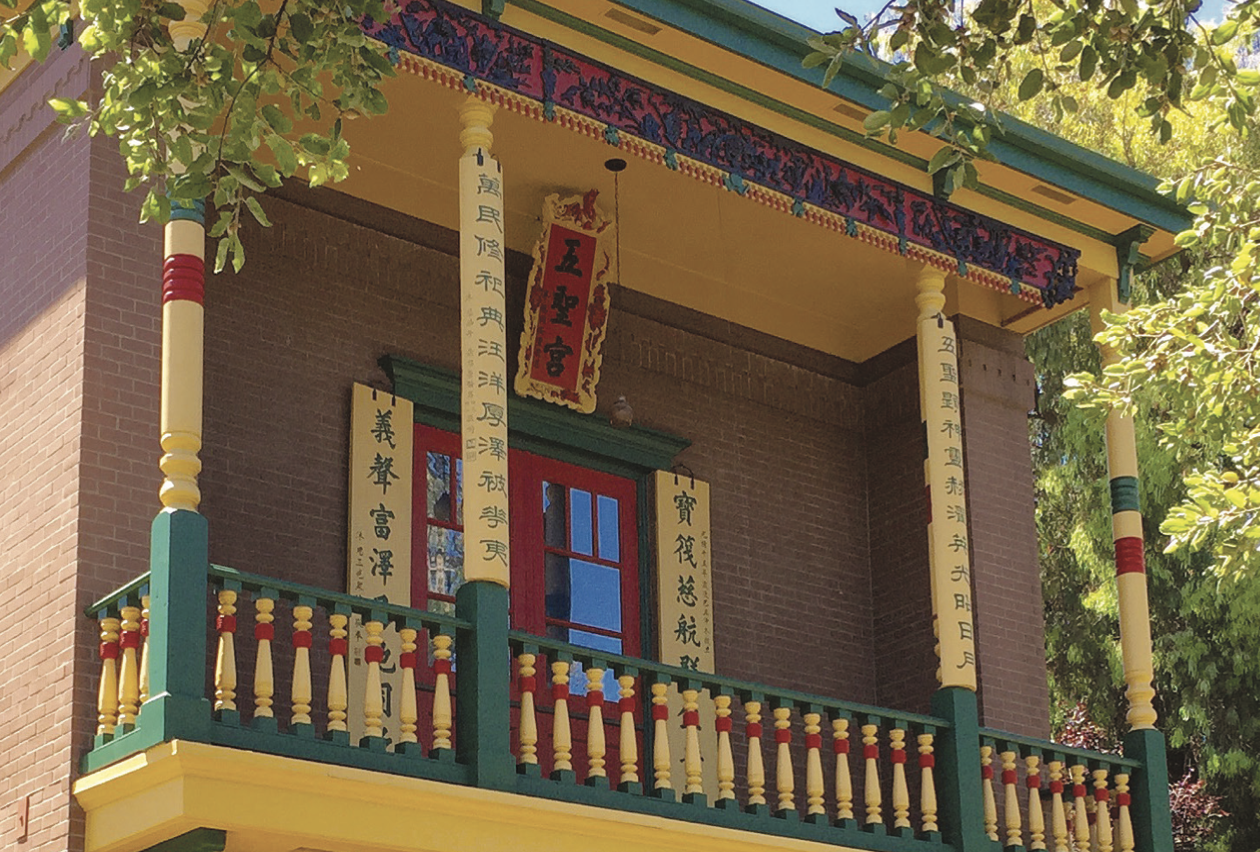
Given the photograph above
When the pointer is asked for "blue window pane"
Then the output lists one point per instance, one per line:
(577, 678)
(459, 491)
(446, 560)
(439, 486)
(580, 521)
(595, 594)
(609, 529)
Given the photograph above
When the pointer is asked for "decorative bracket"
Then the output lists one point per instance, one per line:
(1129, 255)
(493, 8)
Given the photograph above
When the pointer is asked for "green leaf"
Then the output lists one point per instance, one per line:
(254, 207)
(220, 256)
(1225, 32)
(1089, 63)
(301, 27)
(286, 158)
(1031, 85)
(876, 121)
(276, 119)
(942, 158)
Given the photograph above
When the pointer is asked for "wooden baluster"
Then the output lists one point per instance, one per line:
(442, 691)
(725, 759)
(990, 802)
(264, 674)
(528, 684)
(373, 697)
(107, 693)
(1058, 813)
(629, 740)
(561, 737)
(301, 693)
(1102, 810)
(1010, 807)
(814, 791)
(661, 760)
(596, 747)
(129, 668)
(1124, 826)
(870, 753)
(338, 648)
(785, 783)
(408, 712)
(225, 660)
(927, 783)
(1036, 819)
(144, 649)
(693, 789)
(756, 770)
(900, 790)
(1080, 813)
(844, 781)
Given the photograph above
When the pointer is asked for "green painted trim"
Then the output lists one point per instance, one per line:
(960, 796)
(539, 427)
(133, 742)
(1124, 494)
(483, 740)
(197, 840)
(1129, 257)
(1032, 745)
(128, 594)
(1148, 787)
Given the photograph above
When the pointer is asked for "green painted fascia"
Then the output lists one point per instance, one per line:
(778, 43)
(197, 840)
(539, 427)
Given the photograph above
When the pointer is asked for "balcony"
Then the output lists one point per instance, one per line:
(513, 739)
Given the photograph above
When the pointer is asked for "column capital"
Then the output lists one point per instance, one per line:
(191, 28)
(930, 290)
(476, 116)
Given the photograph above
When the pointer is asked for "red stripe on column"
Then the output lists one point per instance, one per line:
(1130, 558)
(184, 279)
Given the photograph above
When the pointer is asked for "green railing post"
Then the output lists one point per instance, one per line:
(179, 559)
(1148, 789)
(482, 700)
(961, 806)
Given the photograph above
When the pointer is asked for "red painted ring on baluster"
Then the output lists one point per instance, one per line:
(840, 746)
(1008, 776)
(559, 690)
(225, 624)
(626, 705)
(722, 724)
(302, 639)
(660, 713)
(1056, 787)
(338, 647)
(813, 741)
(595, 698)
(265, 631)
(870, 752)
(1130, 556)
(898, 755)
(407, 659)
(1033, 782)
(371, 654)
(184, 279)
(782, 735)
(986, 773)
(927, 761)
(691, 719)
(129, 639)
(442, 667)
(109, 650)
(1078, 790)
(144, 627)
(1102, 795)
(754, 729)
(1123, 800)
(528, 683)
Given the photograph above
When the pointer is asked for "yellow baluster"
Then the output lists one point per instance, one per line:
(870, 753)
(442, 691)
(1036, 819)
(408, 712)
(927, 783)
(529, 721)
(338, 701)
(595, 745)
(661, 760)
(1102, 811)
(756, 769)
(814, 791)
(691, 752)
(373, 697)
(144, 649)
(844, 781)
(900, 791)
(725, 760)
(301, 691)
(784, 781)
(1058, 813)
(129, 668)
(990, 802)
(561, 736)
(264, 676)
(107, 694)
(225, 661)
(1124, 826)
(1080, 813)
(1010, 808)
(629, 741)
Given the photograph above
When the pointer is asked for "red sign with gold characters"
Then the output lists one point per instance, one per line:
(566, 313)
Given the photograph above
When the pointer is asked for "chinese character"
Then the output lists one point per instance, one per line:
(955, 456)
(951, 428)
(569, 263)
(387, 664)
(380, 520)
(494, 516)
(383, 431)
(490, 213)
(494, 447)
(490, 347)
(686, 661)
(954, 486)
(556, 353)
(949, 373)
(969, 659)
(954, 512)
(490, 315)
(382, 471)
(949, 400)
(965, 630)
(489, 380)
(493, 482)
(684, 502)
(947, 345)
(495, 549)
(490, 248)
(387, 695)
(562, 303)
(958, 543)
(489, 282)
(383, 564)
(685, 632)
(686, 543)
(962, 602)
(960, 572)
(492, 413)
(489, 186)
(687, 590)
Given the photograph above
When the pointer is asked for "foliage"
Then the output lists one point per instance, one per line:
(262, 97)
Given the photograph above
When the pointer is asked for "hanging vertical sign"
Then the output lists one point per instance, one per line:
(949, 544)
(684, 585)
(566, 311)
(379, 558)
(483, 347)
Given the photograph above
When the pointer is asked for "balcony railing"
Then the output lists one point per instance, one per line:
(834, 772)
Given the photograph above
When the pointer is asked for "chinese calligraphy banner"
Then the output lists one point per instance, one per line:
(379, 562)
(566, 312)
(684, 586)
(948, 542)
